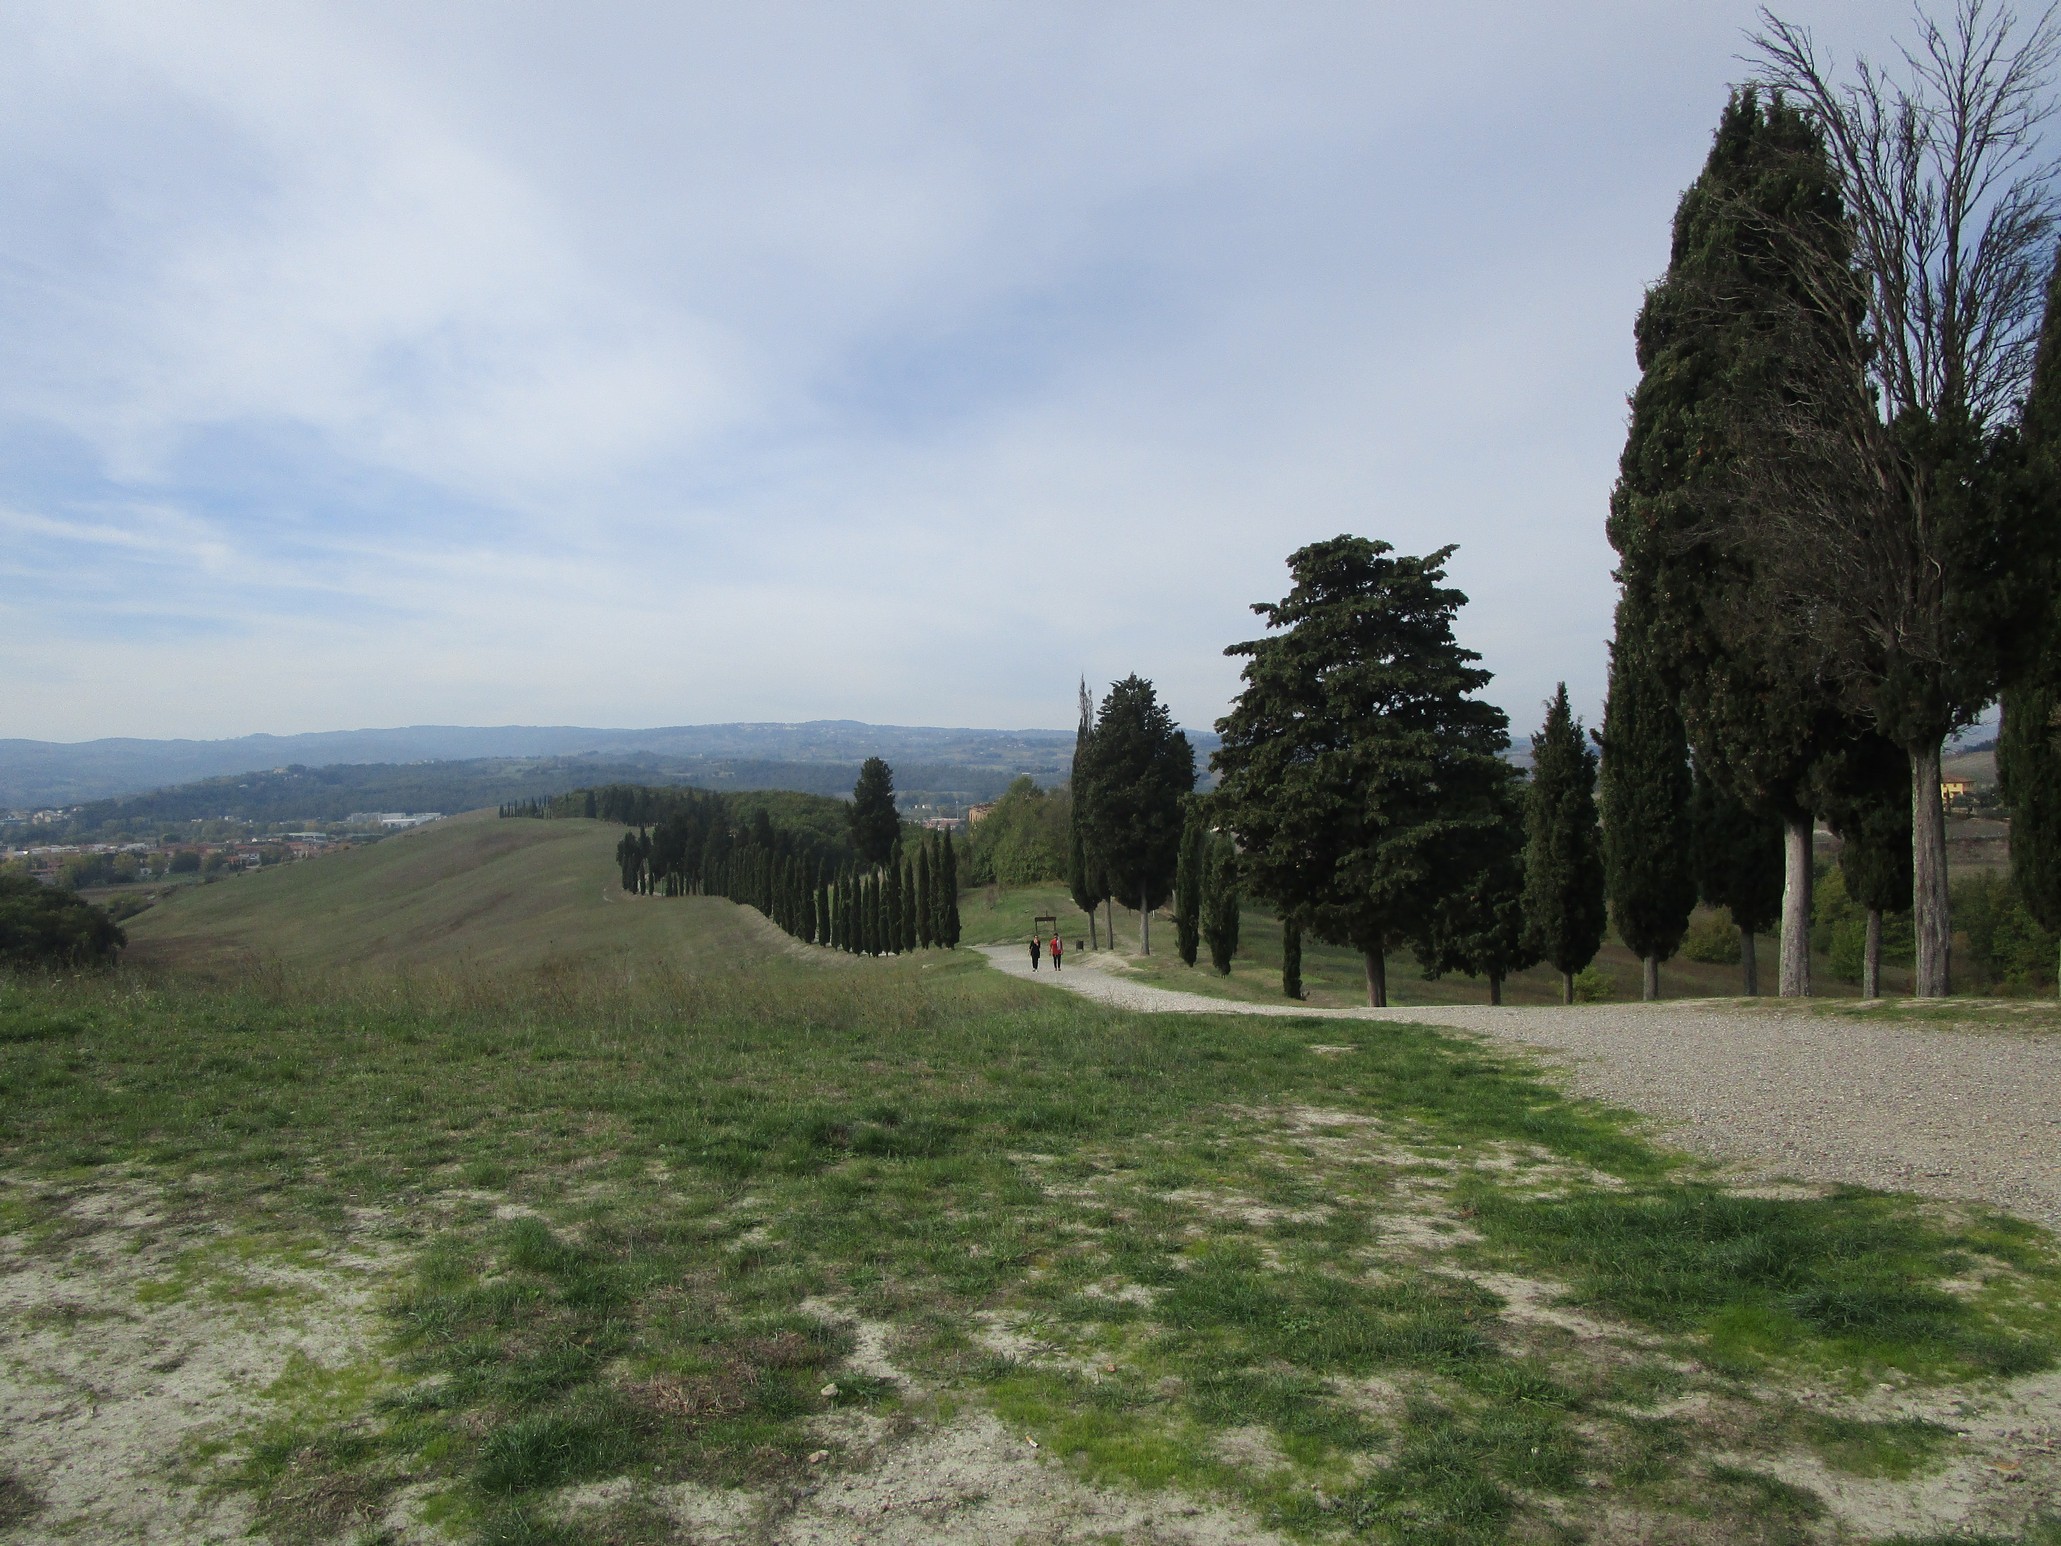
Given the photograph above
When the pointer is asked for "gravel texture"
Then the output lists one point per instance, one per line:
(1944, 1112)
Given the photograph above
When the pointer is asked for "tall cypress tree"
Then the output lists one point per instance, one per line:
(1645, 793)
(1086, 878)
(891, 908)
(949, 934)
(1715, 342)
(1738, 854)
(1291, 957)
(1563, 857)
(926, 910)
(2029, 739)
(1219, 903)
(1195, 848)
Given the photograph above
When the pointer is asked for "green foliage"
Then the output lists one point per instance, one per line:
(1839, 928)
(1219, 900)
(1713, 939)
(1593, 985)
(2029, 770)
(1087, 878)
(1865, 794)
(46, 926)
(875, 824)
(1714, 338)
(1738, 856)
(1140, 771)
(1563, 856)
(185, 862)
(1358, 770)
(1999, 946)
(1645, 794)
(1024, 840)
(1195, 850)
(1477, 926)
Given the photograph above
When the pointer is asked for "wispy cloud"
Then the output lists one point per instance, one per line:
(641, 364)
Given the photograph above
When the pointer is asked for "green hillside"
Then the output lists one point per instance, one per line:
(473, 891)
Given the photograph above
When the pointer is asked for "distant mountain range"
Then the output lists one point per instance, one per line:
(36, 774)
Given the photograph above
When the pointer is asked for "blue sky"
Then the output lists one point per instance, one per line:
(633, 365)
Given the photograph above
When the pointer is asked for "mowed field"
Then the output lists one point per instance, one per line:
(472, 893)
(606, 1221)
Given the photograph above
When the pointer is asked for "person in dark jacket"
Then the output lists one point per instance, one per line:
(1036, 951)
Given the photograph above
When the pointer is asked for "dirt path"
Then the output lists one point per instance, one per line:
(1820, 1097)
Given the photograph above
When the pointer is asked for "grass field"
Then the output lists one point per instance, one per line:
(629, 1250)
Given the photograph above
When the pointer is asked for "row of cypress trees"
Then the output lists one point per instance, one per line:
(909, 903)
(1206, 897)
(1726, 740)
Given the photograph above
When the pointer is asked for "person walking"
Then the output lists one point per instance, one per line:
(1036, 951)
(1055, 950)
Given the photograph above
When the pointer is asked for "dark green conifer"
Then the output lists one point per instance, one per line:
(876, 826)
(1219, 902)
(1140, 769)
(1291, 957)
(1563, 857)
(1738, 855)
(1195, 851)
(1086, 877)
(1477, 924)
(1645, 795)
(950, 933)
(1866, 798)
(926, 910)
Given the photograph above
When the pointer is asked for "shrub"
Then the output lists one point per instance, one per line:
(1712, 939)
(1998, 946)
(186, 863)
(1593, 985)
(46, 926)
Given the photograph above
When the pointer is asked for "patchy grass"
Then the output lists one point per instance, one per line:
(648, 1221)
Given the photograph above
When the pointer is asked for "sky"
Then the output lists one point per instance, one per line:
(628, 365)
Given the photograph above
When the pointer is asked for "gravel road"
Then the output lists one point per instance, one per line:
(1948, 1113)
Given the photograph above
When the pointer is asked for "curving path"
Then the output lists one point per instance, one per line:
(1949, 1113)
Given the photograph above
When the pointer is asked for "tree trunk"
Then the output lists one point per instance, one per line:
(1567, 987)
(1377, 979)
(1093, 943)
(1929, 914)
(1749, 967)
(1649, 986)
(1144, 927)
(1871, 959)
(1109, 908)
(1495, 987)
(1796, 906)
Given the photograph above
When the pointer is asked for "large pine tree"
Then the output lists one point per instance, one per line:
(1645, 792)
(1357, 765)
(1141, 770)
(1563, 855)
(1477, 926)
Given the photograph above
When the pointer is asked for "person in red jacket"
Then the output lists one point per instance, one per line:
(1055, 951)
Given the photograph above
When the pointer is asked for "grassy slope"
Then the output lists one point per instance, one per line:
(473, 891)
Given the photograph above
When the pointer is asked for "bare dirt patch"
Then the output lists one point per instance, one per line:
(132, 1347)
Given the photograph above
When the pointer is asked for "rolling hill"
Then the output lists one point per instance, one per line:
(474, 892)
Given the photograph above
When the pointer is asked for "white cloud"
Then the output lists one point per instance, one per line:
(639, 364)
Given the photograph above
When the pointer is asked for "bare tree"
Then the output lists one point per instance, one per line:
(1874, 504)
